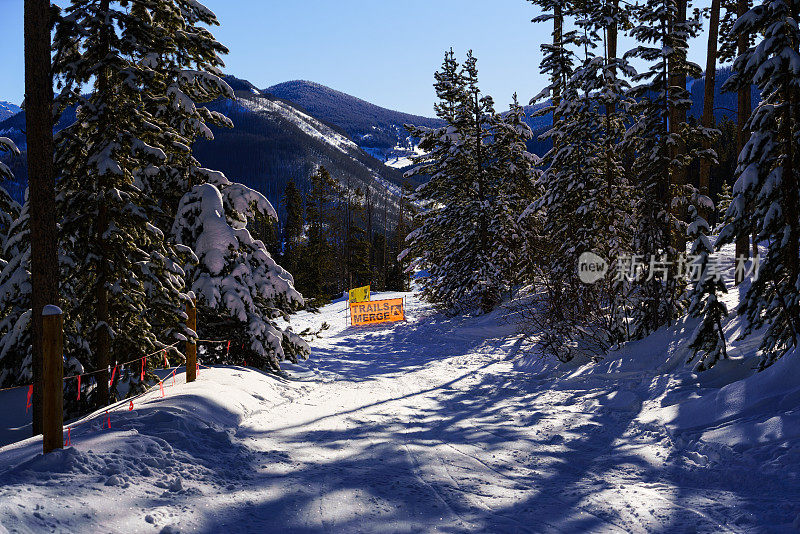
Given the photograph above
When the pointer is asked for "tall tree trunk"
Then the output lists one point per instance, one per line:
(708, 98)
(744, 109)
(677, 118)
(612, 39)
(102, 313)
(487, 300)
(558, 44)
(611, 57)
(667, 176)
(41, 181)
(789, 126)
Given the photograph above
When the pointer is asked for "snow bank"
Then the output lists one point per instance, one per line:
(730, 405)
(759, 409)
(172, 448)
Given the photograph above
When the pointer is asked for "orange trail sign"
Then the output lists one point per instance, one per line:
(377, 311)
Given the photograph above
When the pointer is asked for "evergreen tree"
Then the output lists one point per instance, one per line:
(9, 208)
(723, 202)
(767, 174)
(16, 353)
(708, 119)
(125, 292)
(266, 230)
(358, 244)
(399, 276)
(378, 264)
(658, 168)
(16, 350)
(182, 61)
(318, 252)
(241, 291)
(557, 58)
(452, 240)
(709, 337)
(293, 229)
(585, 201)
(513, 171)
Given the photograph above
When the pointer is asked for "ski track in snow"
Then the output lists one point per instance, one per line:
(423, 426)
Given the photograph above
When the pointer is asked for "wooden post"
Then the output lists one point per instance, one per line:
(191, 348)
(41, 183)
(53, 379)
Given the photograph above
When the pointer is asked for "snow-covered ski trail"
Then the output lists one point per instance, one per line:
(423, 426)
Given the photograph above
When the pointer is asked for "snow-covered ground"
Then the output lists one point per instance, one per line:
(434, 424)
(402, 157)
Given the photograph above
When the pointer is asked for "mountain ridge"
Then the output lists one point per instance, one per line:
(283, 131)
(272, 141)
(7, 109)
(377, 130)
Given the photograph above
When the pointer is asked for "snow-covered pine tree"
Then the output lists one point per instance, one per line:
(15, 304)
(425, 243)
(241, 291)
(557, 57)
(124, 292)
(708, 339)
(9, 208)
(317, 253)
(586, 197)
(570, 182)
(766, 192)
(11, 368)
(657, 167)
(515, 176)
(452, 241)
(15, 311)
(183, 65)
(723, 202)
(16, 354)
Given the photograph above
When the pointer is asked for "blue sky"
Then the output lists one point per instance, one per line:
(382, 51)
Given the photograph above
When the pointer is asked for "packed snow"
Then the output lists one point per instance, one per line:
(432, 424)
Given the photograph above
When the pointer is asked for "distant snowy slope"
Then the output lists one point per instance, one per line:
(308, 124)
(377, 130)
(272, 141)
(7, 109)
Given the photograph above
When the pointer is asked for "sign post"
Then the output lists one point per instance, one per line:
(53, 379)
(191, 347)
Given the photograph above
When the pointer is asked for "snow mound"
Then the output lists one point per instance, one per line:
(729, 406)
(187, 431)
(759, 409)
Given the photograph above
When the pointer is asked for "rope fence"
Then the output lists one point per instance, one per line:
(120, 366)
(108, 410)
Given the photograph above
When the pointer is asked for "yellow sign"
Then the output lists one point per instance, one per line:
(359, 294)
(377, 311)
